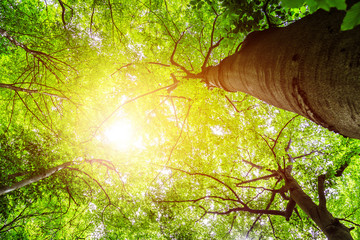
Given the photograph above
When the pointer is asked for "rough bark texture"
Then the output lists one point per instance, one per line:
(35, 178)
(309, 67)
(331, 227)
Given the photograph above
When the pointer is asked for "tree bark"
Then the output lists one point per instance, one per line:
(330, 226)
(309, 67)
(42, 175)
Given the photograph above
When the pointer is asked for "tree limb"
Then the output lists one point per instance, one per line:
(258, 179)
(249, 210)
(212, 177)
(289, 209)
(321, 191)
(42, 175)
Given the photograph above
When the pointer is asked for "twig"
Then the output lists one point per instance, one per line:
(127, 102)
(212, 46)
(258, 179)
(212, 177)
(176, 143)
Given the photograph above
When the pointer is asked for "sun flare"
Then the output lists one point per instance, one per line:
(120, 134)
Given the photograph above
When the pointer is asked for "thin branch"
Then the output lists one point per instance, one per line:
(112, 19)
(264, 9)
(26, 106)
(12, 113)
(282, 129)
(232, 224)
(36, 53)
(175, 114)
(271, 148)
(127, 102)
(256, 196)
(196, 200)
(92, 18)
(70, 196)
(20, 89)
(96, 181)
(135, 63)
(237, 110)
(346, 220)
(176, 143)
(19, 174)
(353, 212)
(258, 179)
(15, 219)
(257, 166)
(264, 189)
(172, 61)
(212, 177)
(62, 12)
(163, 23)
(272, 198)
(305, 155)
(212, 46)
(249, 210)
(272, 228)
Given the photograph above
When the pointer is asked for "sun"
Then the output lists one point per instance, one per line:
(120, 134)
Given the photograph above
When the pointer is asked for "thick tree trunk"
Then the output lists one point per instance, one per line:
(42, 175)
(330, 226)
(309, 67)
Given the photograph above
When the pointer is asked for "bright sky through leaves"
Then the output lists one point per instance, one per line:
(120, 134)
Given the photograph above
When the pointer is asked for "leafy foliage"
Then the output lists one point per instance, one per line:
(73, 68)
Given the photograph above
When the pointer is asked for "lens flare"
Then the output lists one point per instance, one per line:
(120, 134)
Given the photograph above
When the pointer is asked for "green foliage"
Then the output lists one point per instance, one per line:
(352, 18)
(90, 64)
(327, 4)
(293, 4)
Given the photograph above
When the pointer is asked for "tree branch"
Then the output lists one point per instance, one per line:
(129, 101)
(196, 200)
(340, 171)
(20, 89)
(282, 129)
(289, 209)
(321, 191)
(258, 179)
(172, 61)
(249, 210)
(42, 175)
(62, 12)
(212, 177)
(212, 46)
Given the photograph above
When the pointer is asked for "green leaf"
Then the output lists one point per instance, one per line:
(352, 18)
(339, 4)
(323, 4)
(327, 4)
(292, 3)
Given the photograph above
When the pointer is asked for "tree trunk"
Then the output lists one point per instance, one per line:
(42, 175)
(309, 67)
(330, 226)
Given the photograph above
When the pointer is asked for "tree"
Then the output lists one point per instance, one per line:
(223, 192)
(206, 164)
(310, 68)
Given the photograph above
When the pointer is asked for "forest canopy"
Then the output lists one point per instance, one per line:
(113, 125)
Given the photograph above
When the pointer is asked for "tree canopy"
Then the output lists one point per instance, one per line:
(109, 131)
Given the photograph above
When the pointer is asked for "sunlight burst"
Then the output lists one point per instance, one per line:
(121, 134)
